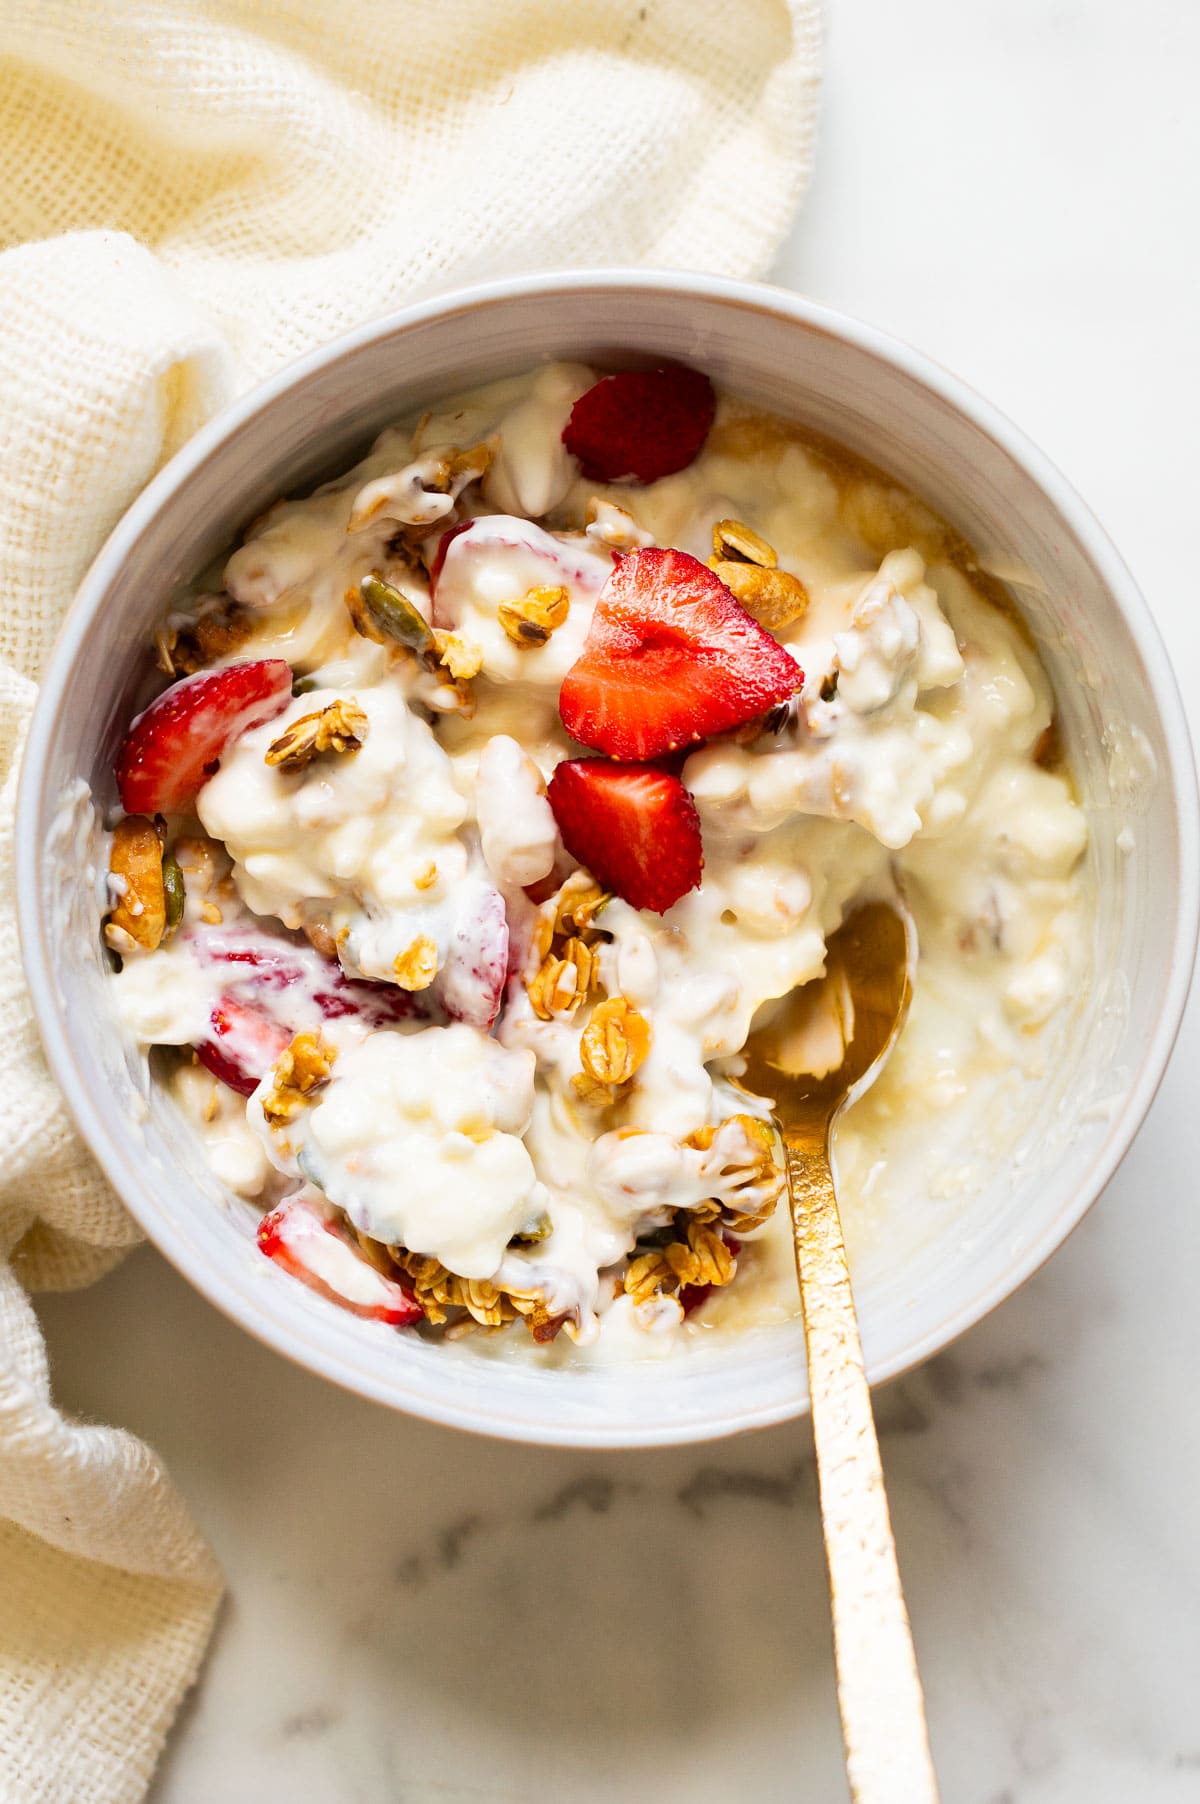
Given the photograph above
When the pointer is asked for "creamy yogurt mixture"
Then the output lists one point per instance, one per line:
(374, 956)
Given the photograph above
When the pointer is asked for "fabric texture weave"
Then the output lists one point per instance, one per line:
(197, 191)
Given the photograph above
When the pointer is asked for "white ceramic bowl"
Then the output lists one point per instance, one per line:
(1120, 710)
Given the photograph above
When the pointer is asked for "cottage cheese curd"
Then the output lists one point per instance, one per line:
(378, 900)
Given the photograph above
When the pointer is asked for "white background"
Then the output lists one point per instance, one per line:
(1013, 185)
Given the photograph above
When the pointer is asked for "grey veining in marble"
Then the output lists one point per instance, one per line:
(419, 1616)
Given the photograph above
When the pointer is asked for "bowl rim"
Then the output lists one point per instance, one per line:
(107, 1144)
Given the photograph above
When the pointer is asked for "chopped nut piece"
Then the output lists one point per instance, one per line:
(212, 633)
(301, 1068)
(735, 542)
(341, 727)
(139, 918)
(1048, 751)
(615, 1043)
(607, 524)
(320, 938)
(562, 982)
(531, 618)
(774, 597)
(460, 657)
(417, 966)
(211, 913)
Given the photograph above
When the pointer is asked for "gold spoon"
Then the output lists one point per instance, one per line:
(821, 1048)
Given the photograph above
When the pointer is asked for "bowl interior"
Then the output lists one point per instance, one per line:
(1122, 724)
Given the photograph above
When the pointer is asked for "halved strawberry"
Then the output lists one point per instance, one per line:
(670, 657)
(319, 1253)
(634, 826)
(641, 424)
(176, 744)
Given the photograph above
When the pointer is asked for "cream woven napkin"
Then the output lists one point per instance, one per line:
(193, 194)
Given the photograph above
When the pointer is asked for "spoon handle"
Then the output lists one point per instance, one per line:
(879, 1690)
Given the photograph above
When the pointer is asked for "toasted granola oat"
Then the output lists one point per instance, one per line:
(615, 1043)
(562, 981)
(530, 619)
(416, 967)
(701, 1257)
(340, 727)
(218, 627)
(742, 1166)
(301, 1068)
(462, 658)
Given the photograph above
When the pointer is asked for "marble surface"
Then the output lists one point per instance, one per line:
(1013, 185)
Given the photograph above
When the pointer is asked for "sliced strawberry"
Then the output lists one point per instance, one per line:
(641, 424)
(634, 826)
(671, 657)
(319, 1253)
(471, 982)
(443, 546)
(271, 988)
(176, 744)
(243, 1043)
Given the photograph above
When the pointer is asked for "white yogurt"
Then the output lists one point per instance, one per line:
(910, 759)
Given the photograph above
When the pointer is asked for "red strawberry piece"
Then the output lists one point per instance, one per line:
(172, 748)
(319, 1253)
(243, 1043)
(439, 556)
(670, 657)
(641, 424)
(269, 986)
(471, 982)
(634, 826)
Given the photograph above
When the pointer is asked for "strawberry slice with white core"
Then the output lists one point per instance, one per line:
(671, 657)
(172, 749)
(640, 425)
(634, 826)
(319, 1253)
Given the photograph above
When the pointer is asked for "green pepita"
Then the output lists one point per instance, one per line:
(174, 892)
(392, 614)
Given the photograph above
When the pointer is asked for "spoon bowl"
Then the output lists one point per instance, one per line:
(826, 1043)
